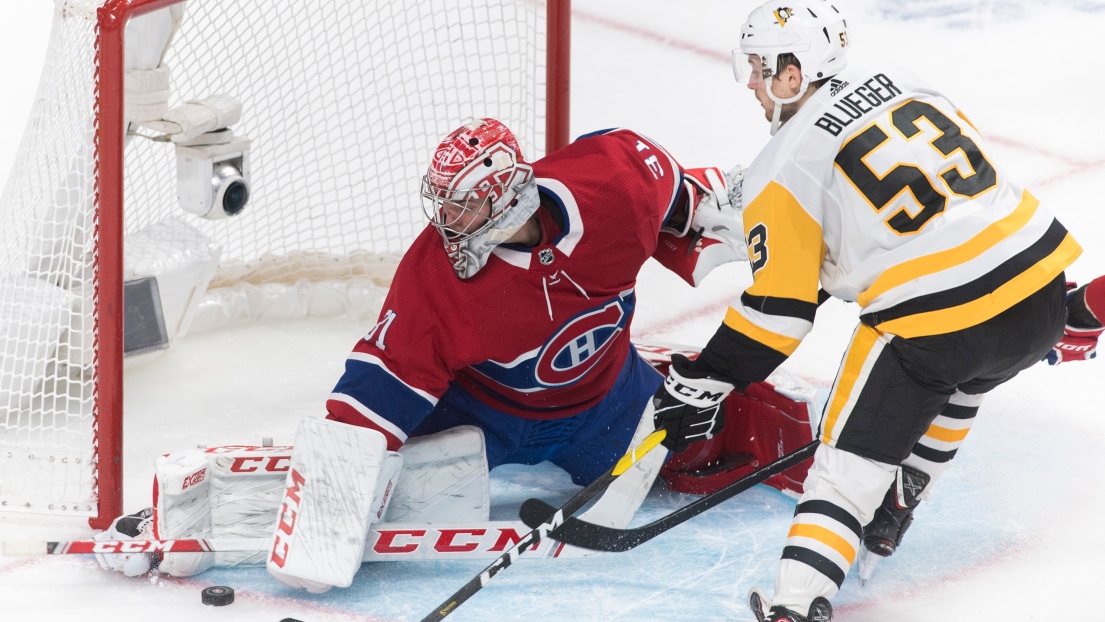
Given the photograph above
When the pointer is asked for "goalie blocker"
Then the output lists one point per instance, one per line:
(767, 421)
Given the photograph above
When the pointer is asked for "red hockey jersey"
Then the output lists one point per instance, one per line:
(541, 332)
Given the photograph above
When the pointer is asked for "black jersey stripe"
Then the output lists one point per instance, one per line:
(737, 358)
(833, 511)
(955, 411)
(933, 455)
(817, 561)
(772, 305)
(973, 290)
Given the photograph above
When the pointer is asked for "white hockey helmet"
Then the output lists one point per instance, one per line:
(478, 192)
(814, 31)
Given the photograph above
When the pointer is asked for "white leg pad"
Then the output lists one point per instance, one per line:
(444, 479)
(331, 497)
(222, 492)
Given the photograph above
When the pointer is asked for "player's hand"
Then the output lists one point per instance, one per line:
(1077, 344)
(137, 526)
(689, 405)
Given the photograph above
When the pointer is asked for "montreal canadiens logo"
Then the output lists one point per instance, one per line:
(580, 344)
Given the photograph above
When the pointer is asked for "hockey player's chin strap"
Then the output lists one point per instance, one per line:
(778, 114)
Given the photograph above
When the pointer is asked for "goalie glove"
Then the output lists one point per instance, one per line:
(1079, 340)
(718, 214)
(689, 405)
(712, 233)
(137, 526)
(713, 203)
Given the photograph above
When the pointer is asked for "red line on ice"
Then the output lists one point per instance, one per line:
(652, 35)
(1078, 167)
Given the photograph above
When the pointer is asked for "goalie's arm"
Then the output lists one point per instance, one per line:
(403, 364)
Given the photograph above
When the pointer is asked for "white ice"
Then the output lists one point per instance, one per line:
(1012, 532)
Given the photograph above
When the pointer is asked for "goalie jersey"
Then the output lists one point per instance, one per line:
(538, 333)
(880, 190)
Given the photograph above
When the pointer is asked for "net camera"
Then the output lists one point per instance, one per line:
(213, 179)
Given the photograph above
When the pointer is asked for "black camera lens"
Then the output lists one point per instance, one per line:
(235, 197)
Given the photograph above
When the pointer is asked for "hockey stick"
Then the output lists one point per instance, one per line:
(19, 548)
(385, 542)
(580, 533)
(546, 524)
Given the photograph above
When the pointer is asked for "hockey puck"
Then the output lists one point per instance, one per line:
(217, 595)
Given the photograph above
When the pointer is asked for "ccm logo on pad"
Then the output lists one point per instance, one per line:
(251, 464)
(289, 511)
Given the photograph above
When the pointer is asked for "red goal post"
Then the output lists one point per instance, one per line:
(375, 85)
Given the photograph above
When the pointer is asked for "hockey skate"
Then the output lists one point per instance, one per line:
(883, 535)
(820, 610)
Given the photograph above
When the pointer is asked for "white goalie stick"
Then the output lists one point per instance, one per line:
(385, 542)
(547, 527)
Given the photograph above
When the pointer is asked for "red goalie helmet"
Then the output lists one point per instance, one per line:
(478, 192)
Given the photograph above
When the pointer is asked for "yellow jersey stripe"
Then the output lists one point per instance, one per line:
(985, 307)
(930, 264)
(825, 536)
(775, 341)
(788, 242)
(946, 435)
(862, 344)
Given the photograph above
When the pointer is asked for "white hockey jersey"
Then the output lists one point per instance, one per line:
(880, 189)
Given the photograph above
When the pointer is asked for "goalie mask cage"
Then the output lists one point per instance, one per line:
(343, 103)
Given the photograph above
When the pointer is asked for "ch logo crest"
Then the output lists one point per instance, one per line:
(570, 354)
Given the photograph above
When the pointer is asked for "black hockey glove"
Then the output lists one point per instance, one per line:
(689, 405)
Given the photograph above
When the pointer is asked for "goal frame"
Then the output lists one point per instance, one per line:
(108, 310)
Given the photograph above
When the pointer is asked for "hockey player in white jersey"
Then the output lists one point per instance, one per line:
(878, 188)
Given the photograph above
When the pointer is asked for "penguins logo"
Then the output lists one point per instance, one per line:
(782, 15)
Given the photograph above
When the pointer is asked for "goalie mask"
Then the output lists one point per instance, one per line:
(814, 31)
(478, 192)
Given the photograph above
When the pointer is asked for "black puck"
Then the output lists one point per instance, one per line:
(217, 595)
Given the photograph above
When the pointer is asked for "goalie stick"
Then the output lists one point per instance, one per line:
(385, 542)
(580, 533)
(545, 526)
(28, 548)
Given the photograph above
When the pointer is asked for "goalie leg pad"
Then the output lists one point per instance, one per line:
(332, 494)
(221, 492)
(445, 479)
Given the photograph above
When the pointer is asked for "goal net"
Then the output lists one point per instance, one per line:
(341, 103)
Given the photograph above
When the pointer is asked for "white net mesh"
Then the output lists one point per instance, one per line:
(343, 103)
